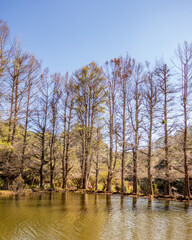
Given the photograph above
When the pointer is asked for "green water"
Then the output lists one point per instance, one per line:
(75, 216)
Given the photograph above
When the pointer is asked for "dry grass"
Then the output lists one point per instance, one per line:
(6, 193)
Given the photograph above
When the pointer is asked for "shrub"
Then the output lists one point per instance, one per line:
(18, 185)
(1, 183)
(155, 189)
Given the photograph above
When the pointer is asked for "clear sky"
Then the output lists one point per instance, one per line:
(68, 34)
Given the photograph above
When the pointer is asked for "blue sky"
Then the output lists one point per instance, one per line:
(68, 34)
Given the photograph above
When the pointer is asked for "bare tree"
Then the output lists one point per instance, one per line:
(166, 91)
(150, 101)
(54, 116)
(15, 92)
(67, 120)
(33, 74)
(134, 105)
(98, 155)
(18, 74)
(124, 69)
(89, 90)
(67, 167)
(184, 55)
(65, 97)
(112, 82)
(41, 122)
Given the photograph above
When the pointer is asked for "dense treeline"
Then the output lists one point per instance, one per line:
(107, 128)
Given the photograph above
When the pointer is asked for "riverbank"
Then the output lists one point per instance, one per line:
(8, 193)
(163, 197)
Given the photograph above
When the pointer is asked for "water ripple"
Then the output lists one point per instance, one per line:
(93, 217)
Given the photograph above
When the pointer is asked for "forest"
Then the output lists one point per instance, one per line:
(122, 127)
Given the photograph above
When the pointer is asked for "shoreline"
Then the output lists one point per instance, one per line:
(27, 192)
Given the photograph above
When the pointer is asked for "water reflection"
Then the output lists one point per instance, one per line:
(149, 204)
(134, 203)
(186, 204)
(93, 217)
(121, 202)
(63, 198)
(96, 203)
(166, 206)
(63, 201)
(108, 203)
(83, 202)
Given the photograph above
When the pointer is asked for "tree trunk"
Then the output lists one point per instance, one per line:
(96, 177)
(6, 183)
(52, 161)
(109, 178)
(11, 111)
(97, 161)
(67, 169)
(149, 156)
(167, 178)
(82, 134)
(85, 174)
(186, 167)
(123, 147)
(135, 155)
(41, 176)
(52, 165)
(64, 143)
(15, 111)
(135, 171)
(26, 128)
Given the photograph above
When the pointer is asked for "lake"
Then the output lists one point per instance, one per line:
(74, 216)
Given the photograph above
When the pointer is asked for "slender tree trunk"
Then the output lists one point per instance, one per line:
(41, 176)
(116, 141)
(88, 139)
(86, 130)
(14, 124)
(186, 167)
(52, 152)
(26, 128)
(149, 156)
(85, 166)
(135, 155)
(135, 171)
(6, 183)
(43, 145)
(24, 145)
(51, 165)
(151, 101)
(8, 158)
(109, 178)
(42, 116)
(11, 111)
(97, 162)
(67, 169)
(162, 72)
(64, 143)
(167, 179)
(54, 103)
(123, 147)
(97, 173)
(15, 111)
(63, 157)
(82, 134)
